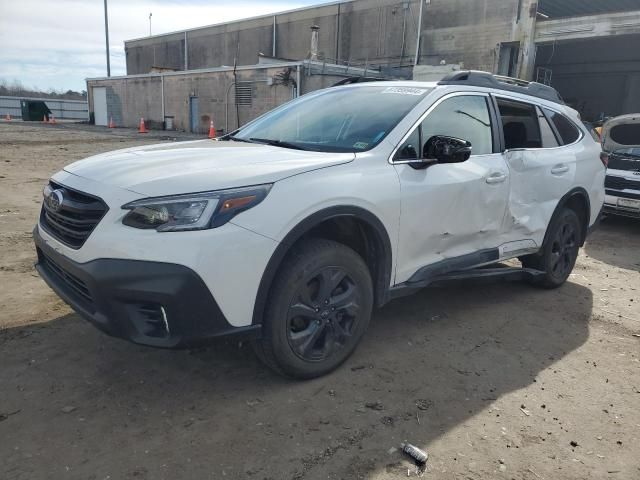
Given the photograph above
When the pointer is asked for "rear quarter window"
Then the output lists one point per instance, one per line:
(568, 132)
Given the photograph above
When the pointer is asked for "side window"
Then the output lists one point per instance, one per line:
(569, 133)
(411, 147)
(465, 117)
(520, 124)
(547, 136)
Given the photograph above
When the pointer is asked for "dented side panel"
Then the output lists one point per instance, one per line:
(539, 179)
(449, 210)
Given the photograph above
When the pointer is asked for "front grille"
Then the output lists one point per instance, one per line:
(74, 220)
(70, 280)
(620, 183)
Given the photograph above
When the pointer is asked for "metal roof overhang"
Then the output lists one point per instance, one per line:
(577, 8)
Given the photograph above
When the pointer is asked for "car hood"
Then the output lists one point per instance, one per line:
(201, 165)
(621, 132)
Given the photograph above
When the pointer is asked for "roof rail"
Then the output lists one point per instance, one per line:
(351, 80)
(485, 79)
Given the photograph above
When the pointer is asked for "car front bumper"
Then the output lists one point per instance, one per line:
(150, 303)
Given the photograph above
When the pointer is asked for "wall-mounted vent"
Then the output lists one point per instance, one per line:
(244, 94)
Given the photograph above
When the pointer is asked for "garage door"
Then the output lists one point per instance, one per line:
(100, 106)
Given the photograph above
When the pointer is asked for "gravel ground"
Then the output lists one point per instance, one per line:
(500, 381)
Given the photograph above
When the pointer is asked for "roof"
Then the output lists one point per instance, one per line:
(313, 67)
(240, 20)
(575, 8)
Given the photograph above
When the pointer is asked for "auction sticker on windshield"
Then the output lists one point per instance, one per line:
(405, 91)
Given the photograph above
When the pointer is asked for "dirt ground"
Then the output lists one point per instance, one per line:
(500, 381)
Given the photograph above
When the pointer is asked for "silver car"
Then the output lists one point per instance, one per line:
(621, 144)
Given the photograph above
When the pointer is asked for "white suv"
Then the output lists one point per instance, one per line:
(291, 229)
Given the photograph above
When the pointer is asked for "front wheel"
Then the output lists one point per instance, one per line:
(560, 252)
(318, 310)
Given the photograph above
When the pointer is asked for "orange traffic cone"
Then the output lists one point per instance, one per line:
(142, 128)
(8, 118)
(212, 130)
(53, 119)
(111, 124)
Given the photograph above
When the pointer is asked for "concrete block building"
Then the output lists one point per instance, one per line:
(588, 49)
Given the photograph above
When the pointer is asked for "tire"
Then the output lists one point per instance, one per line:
(560, 251)
(318, 309)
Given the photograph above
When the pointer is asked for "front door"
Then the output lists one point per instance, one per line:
(451, 213)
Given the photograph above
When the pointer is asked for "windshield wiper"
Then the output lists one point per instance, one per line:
(236, 139)
(627, 154)
(278, 143)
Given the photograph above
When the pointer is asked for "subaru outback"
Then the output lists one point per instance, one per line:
(289, 231)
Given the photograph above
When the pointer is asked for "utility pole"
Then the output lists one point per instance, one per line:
(419, 35)
(150, 14)
(106, 34)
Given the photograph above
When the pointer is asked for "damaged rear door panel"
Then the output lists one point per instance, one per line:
(538, 181)
(542, 166)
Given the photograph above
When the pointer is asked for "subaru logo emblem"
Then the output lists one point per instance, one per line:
(54, 199)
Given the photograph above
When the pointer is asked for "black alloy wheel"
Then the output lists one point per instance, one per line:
(559, 253)
(319, 307)
(323, 314)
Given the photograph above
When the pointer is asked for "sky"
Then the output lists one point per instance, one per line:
(56, 44)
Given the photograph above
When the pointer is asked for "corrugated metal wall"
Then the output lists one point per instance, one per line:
(62, 109)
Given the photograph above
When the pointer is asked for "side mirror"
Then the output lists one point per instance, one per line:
(446, 149)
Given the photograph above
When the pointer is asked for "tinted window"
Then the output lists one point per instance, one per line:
(465, 117)
(338, 119)
(568, 132)
(520, 124)
(547, 136)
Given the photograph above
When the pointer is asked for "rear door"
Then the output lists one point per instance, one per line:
(542, 165)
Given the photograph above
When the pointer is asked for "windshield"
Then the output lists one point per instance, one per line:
(336, 120)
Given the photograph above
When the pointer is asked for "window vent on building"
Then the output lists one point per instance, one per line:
(244, 93)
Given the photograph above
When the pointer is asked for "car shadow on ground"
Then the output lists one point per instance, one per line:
(604, 243)
(442, 355)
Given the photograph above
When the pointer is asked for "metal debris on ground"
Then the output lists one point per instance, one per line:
(419, 456)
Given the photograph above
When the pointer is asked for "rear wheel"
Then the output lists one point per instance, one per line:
(560, 252)
(318, 310)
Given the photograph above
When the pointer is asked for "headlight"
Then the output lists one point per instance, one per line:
(197, 211)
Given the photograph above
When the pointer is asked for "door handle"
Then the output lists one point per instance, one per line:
(560, 169)
(496, 177)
